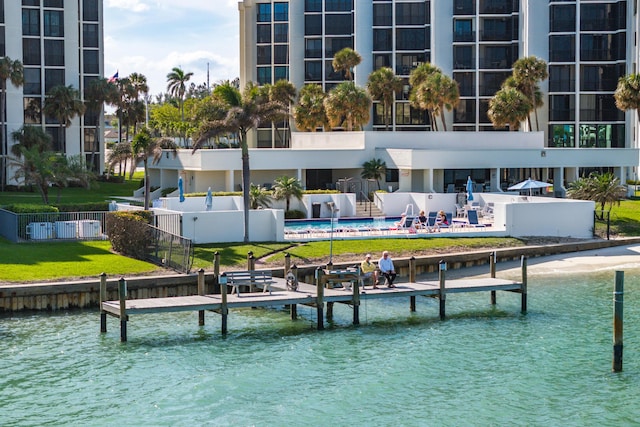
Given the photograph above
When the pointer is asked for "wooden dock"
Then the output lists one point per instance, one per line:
(316, 295)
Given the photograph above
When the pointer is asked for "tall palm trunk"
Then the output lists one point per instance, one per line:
(5, 145)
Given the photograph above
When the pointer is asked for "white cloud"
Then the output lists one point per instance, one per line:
(133, 5)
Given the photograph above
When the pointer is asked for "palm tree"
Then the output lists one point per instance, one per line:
(309, 114)
(285, 188)
(627, 94)
(374, 169)
(383, 85)
(138, 110)
(177, 85)
(120, 154)
(14, 72)
(510, 107)
(348, 106)
(436, 93)
(37, 168)
(259, 196)
(63, 103)
(527, 72)
(145, 146)
(99, 92)
(28, 137)
(345, 60)
(244, 111)
(602, 188)
(418, 76)
(283, 92)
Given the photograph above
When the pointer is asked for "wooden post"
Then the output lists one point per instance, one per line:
(216, 272)
(492, 270)
(523, 307)
(412, 279)
(201, 292)
(356, 299)
(103, 298)
(250, 261)
(293, 308)
(320, 298)
(443, 295)
(122, 296)
(329, 304)
(224, 310)
(287, 263)
(618, 303)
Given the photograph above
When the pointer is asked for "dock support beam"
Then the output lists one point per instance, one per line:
(443, 295)
(356, 300)
(523, 307)
(122, 296)
(103, 298)
(412, 279)
(320, 298)
(293, 308)
(216, 272)
(224, 309)
(201, 293)
(618, 303)
(492, 270)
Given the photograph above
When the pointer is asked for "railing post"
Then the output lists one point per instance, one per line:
(103, 298)
(201, 293)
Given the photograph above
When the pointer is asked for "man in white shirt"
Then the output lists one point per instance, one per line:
(387, 269)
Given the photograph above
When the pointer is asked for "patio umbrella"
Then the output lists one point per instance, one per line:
(181, 189)
(529, 184)
(469, 189)
(208, 201)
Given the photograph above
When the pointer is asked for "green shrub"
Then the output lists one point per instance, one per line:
(29, 208)
(321, 192)
(129, 232)
(294, 214)
(118, 179)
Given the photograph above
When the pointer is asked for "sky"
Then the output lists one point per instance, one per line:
(153, 36)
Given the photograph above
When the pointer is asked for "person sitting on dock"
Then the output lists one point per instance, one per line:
(369, 271)
(387, 269)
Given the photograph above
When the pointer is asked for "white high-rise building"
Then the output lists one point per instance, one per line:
(59, 42)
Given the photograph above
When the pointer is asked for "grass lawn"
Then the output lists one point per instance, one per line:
(38, 262)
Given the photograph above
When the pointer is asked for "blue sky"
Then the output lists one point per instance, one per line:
(153, 36)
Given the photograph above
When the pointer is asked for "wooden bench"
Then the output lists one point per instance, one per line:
(349, 276)
(260, 279)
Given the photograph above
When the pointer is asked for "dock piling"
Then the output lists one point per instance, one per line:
(201, 293)
(492, 271)
(443, 295)
(523, 307)
(356, 300)
(412, 279)
(293, 308)
(103, 298)
(216, 272)
(618, 303)
(320, 298)
(122, 296)
(224, 309)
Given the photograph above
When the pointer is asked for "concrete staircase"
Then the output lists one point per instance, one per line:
(362, 210)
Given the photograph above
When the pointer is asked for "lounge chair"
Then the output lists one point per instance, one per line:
(473, 219)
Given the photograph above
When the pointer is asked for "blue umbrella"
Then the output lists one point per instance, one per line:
(208, 201)
(469, 189)
(181, 189)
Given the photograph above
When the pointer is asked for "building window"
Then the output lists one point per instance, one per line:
(313, 25)
(90, 35)
(601, 136)
(31, 52)
(30, 22)
(53, 23)
(563, 18)
(465, 112)
(313, 48)
(599, 108)
(57, 137)
(281, 11)
(562, 78)
(52, 78)
(2, 12)
(600, 77)
(466, 83)
(281, 33)
(392, 175)
(90, 10)
(280, 73)
(54, 3)
(603, 16)
(32, 82)
(407, 115)
(411, 39)
(313, 5)
(91, 61)
(602, 47)
(281, 54)
(31, 2)
(381, 60)
(264, 75)
(382, 14)
(54, 52)
(32, 110)
(2, 43)
(382, 39)
(562, 108)
(562, 48)
(264, 33)
(336, 44)
(411, 14)
(338, 24)
(90, 140)
(264, 12)
(562, 136)
(313, 70)
(264, 55)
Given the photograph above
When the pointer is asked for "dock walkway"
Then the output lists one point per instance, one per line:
(315, 295)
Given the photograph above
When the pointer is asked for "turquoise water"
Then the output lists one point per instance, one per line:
(483, 366)
(315, 224)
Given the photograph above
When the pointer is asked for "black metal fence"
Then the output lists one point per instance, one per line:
(170, 250)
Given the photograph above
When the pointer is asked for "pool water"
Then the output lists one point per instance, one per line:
(484, 365)
(292, 226)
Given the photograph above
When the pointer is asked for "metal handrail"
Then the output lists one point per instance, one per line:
(365, 199)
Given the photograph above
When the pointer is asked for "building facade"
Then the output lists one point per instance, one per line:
(59, 42)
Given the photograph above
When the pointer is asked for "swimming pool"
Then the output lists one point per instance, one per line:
(320, 225)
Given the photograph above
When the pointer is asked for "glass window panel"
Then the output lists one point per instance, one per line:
(90, 35)
(562, 78)
(313, 71)
(32, 81)
(281, 33)
(381, 60)
(411, 14)
(53, 23)
(280, 73)
(30, 22)
(90, 10)
(600, 77)
(411, 39)
(562, 48)
(281, 54)
(264, 75)
(31, 52)
(313, 48)
(281, 11)
(562, 18)
(562, 107)
(313, 5)
(264, 12)
(31, 2)
(264, 54)
(54, 52)
(336, 44)
(54, 3)
(312, 25)
(382, 14)
(91, 61)
(562, 135)
(264, 33)
(32, 110)
(3, 48)
(382, 39)
(53, 77)
(338, 24)
(338, 5)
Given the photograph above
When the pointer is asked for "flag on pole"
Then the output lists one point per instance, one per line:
(113, 78)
